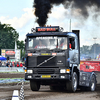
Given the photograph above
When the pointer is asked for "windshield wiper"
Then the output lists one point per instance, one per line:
(44, 49)
(57, 49)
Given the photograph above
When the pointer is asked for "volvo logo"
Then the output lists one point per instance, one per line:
(45, 61)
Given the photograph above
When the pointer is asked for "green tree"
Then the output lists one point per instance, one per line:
(85, 49)
(7, 36)
(92, 50)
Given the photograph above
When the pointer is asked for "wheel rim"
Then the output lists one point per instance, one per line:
(93, 83)
(75, 83)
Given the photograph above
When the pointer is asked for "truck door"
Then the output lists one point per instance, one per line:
(73, 50)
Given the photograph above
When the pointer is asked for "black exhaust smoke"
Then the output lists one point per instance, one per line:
(43, 7)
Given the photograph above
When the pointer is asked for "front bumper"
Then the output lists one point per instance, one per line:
(47, 76)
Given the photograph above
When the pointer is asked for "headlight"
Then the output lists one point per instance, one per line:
(64, 70)
(29, 71)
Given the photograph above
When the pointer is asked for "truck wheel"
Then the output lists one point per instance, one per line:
(72, 85)
(34, 85)
(92, 83)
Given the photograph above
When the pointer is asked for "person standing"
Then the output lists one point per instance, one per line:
(7, 64)
(0, 63)
(10, 63)
(15, 64)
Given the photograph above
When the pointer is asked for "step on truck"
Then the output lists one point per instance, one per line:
(52, 57)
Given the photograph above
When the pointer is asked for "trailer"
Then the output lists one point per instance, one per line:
(91, 66)
(53, 58)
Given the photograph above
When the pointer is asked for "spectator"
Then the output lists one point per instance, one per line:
(7, 64)
(21, 65)
(4, 64)
(0, 63)
(17, 64)
(10, 63)
(24, 65)
(13, 64)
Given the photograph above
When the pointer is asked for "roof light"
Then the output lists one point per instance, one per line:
(47, 29)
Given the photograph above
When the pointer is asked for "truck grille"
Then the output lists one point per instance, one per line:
(46, 61)
(40, 61)
(31, 61)
(45, 71)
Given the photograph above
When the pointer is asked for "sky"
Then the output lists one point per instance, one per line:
(20, 14)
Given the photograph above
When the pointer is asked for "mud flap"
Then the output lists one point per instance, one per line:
(84, 78)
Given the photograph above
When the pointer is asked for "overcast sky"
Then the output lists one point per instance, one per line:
(19, 13)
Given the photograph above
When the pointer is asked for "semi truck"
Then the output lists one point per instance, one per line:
(52, 57)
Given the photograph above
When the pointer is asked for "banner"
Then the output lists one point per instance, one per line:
(12, 53)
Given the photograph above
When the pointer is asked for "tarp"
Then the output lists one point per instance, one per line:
(2, 58)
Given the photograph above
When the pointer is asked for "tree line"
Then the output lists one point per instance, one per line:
(92, 50)
(8, 35)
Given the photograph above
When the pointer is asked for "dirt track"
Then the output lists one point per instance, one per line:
(11, 75)
(44, 93)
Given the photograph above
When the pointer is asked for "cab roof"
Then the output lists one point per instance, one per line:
(35, 34)
(49, 31)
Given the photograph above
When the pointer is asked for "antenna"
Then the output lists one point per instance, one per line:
(70, 26)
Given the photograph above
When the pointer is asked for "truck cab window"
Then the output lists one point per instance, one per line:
(62, 43)
(72, 43)
(47, 42)
(30, 43)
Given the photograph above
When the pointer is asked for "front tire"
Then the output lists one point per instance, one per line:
(71, 86)
(34, 85)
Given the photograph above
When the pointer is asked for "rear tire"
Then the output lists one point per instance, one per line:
(34, 85)
(71, 86)
(92, 83)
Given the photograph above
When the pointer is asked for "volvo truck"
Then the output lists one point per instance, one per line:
(52, 57)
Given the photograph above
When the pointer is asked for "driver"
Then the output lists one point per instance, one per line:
(40, 44)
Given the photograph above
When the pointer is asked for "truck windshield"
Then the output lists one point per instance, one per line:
(47, 42)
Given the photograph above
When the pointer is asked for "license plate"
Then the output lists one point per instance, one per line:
(46, 76)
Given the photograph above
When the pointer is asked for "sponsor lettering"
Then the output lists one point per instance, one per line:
(45, 53)
(46, 29)
(10, 52)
